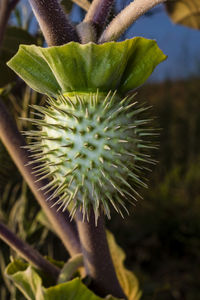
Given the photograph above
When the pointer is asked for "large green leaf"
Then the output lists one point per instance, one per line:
(127, 279)
(13, 37)
(76, 67)
(29, 282)
(185, 12)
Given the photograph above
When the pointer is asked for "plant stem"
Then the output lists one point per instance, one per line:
(98, 13)
(97, 259)
(6, 8)
(53, 22)
(28, 253)
(14, 142)
(126, 17)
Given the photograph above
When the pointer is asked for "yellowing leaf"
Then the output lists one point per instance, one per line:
(185, 12)
(127, 279)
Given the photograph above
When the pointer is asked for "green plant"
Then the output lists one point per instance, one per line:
(80, 82)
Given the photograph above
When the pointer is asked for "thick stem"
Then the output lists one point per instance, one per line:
(53, 22)
(98, 13)
(6, 8)
(126, 17)
(28, 253)
(97, 259)
(14, 142)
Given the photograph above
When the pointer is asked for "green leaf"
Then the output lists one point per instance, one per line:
(76, 67)
(127, 279)
(73, 290)
(29, 65)
(185, 12)
(29, 283)
(26, 279)
(13, 37)
(145, 56)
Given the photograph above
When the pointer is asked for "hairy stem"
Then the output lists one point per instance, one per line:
(6, 8)
(53, 22)
(14, 142)
(98, 13)
(97, 259)
(28, 253)
(126, 17)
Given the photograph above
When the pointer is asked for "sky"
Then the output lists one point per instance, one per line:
(179, 43)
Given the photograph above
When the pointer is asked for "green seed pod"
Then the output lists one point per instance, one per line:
(92, 141)
(89, 146)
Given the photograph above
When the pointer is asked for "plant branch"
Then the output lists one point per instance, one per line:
(53, 22)
(6, 8)
(14, 142)
(98, 13)
(97, 259)
(126, 17)
(28, 253)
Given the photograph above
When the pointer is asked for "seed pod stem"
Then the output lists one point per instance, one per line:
(97, 259)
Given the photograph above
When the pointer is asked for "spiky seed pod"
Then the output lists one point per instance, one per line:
(91, 147)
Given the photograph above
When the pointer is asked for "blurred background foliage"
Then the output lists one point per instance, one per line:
(161, 237)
